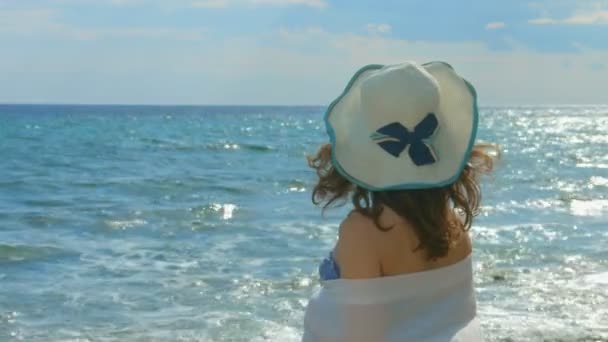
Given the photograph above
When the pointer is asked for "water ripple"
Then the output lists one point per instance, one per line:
(165, 223)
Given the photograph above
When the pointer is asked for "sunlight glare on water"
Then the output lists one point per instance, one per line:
(195, 223)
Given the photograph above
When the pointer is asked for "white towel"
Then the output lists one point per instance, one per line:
(437, 305)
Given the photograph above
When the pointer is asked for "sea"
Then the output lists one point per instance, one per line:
(195, 223)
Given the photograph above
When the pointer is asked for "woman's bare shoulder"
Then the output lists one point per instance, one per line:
(357, 248)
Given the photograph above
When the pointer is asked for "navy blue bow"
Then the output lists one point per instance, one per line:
(394, 139)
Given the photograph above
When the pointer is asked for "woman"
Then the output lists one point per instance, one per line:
(402, 147)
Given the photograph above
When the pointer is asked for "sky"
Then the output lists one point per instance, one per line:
(295, 52)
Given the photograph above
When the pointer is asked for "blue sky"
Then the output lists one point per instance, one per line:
(294, 51)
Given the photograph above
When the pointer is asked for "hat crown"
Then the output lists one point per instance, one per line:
(404, 126)
(403, 93)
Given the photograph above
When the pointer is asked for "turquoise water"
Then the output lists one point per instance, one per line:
(129, 223)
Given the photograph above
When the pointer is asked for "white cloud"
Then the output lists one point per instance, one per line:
(543, 21)
(44, 23)
(320, 4)
(586, 13)
(311, 66)
(210, 4)
(308, 66)
(121, 2)
(517, 76)
(599, 17)
(379, 28)
(145, 32)
(219, 4)
(31, 19)
(300, 35)
(89, 2)
(310, 3)
(495, 25)
(30, 22)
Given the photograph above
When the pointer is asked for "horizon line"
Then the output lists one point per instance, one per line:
(263, 105)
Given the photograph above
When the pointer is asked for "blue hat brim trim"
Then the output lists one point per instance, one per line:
(404, 186)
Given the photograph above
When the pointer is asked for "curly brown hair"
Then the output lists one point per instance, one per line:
(427, 210)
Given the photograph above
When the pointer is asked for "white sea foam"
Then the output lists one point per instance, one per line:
(125, 224)
(589, 208)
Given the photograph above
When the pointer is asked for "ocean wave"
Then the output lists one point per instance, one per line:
(23, 253)
(125, 224)
(51, 203)
(224, 211)
(234, 190)
(42, 219)
(219, 146)
(598, 278)
(297, 185)
(241, 146)
(12, 182)
(596, 207)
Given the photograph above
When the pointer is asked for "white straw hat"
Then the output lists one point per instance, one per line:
(404, 126)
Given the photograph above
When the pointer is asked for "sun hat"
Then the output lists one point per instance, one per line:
(403, 126)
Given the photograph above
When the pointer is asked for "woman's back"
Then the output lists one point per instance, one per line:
(397, 247)
(364, 251)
